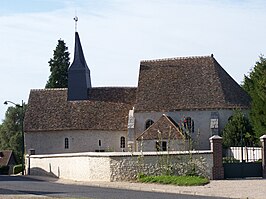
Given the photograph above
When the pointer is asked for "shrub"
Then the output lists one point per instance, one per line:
(230, 160)
(17, 169)
(4, 170)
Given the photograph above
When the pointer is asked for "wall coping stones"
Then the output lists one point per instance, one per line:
(117, 154)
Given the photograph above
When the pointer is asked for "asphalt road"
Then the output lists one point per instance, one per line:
(20, 185)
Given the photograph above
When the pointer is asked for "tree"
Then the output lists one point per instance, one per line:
(255, 85)
(238, 131)
(58, 66)
(11, 131)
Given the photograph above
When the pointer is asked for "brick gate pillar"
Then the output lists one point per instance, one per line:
(217, 149)
(263, 154)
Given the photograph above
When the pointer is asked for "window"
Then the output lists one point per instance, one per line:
(189, 124)
(161, 146)
(100, 143)
(164, 146)
(148, 123)
(122, 142)
(66, 143)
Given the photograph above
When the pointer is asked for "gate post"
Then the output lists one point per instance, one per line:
(263, 145)
(217, 150)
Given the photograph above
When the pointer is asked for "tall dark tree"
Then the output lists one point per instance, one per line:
(58, 66)
(11, 131)
(255, 85)
(238, 131)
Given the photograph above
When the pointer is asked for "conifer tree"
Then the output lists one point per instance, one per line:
(255, 85)
(58, 66)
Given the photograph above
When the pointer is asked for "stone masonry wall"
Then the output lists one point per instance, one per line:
(126, 168)
(113, 166)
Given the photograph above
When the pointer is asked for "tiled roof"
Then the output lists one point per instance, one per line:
(165, 128)
(187, 83)
(5, 156)
(113, 94)
(49, 110)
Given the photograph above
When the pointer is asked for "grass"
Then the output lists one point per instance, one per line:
(175, 180)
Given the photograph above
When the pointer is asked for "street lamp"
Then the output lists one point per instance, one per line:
(22, 132)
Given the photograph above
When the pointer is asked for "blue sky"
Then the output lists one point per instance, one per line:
(117, 34)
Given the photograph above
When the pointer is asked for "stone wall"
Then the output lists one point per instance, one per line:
(115, 166)
(172, 145)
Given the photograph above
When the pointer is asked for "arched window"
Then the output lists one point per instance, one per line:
(100, 143)
(148, 123)
(161, 145)
(122, 142)
(189, 124)
(66, 143)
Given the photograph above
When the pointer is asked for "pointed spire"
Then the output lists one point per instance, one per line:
(79, 59)
(79, 80)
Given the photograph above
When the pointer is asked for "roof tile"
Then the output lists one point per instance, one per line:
(187, 83)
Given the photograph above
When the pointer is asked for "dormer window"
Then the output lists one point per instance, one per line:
(148, 123)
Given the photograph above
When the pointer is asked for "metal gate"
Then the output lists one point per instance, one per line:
(242, 162)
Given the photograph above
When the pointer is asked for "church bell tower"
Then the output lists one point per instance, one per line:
(79, 81)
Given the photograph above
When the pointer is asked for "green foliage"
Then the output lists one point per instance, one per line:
(255, 85)
(238, 127)
(58, 66)
(11, 131)
(176, 180)
(17, 169)
(230, 160)
(4, 170)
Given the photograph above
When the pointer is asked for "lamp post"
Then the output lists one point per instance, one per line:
(22, 132)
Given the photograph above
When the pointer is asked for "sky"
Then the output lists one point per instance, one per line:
(117, 34)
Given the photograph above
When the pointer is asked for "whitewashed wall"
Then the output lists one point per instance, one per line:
(53, 142)
(115, 166)
(201, 123)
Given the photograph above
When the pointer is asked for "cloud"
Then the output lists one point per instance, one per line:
(117, 34)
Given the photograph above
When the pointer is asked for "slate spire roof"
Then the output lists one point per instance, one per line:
(80, 106)
(79, 59)
(79, 80)
(187, 83)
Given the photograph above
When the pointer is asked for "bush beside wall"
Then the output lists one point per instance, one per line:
(17, 169)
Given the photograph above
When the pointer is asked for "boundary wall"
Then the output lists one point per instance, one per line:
(111, 166)
(126, 166)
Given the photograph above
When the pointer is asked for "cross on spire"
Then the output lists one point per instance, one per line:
(76, 22)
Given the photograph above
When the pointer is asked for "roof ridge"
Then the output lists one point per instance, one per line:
(176, 58)
(49, 89)
(114, 87)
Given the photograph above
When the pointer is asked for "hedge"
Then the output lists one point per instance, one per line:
(17, 169)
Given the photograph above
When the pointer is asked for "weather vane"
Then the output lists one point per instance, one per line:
(76, 22)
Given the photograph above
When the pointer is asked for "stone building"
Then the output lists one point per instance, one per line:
(194, 96)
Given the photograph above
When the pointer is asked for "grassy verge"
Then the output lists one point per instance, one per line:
(175, 180)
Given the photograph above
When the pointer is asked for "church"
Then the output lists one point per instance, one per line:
(176, 100)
